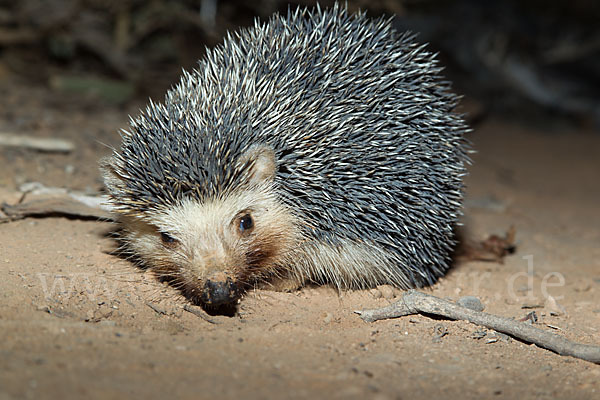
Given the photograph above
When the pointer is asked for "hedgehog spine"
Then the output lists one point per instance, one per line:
(339, 125)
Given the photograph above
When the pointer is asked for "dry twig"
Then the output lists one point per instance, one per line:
(494, 248)
(36, 143)
(199, 312)
(57, 204)
(414, 302)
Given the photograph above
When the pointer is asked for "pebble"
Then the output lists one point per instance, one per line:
(471, 302)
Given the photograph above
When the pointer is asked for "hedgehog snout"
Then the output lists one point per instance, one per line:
(217, 291)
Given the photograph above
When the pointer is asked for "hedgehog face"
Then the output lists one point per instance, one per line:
(212, 250)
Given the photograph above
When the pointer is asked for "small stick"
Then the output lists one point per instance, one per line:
(156, 308)
(36, 143)
(414, 302)
(198, 312)
(61, 204)
(42, 201)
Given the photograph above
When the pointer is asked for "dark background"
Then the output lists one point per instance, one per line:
(531, 59)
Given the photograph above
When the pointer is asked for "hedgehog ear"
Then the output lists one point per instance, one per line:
(261, 161)
(112, 180)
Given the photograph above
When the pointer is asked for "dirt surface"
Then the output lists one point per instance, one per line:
(76, 321)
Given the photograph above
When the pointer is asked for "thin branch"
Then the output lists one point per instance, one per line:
(77, 206)
(414, 302)
(199, 312)
(36, 143)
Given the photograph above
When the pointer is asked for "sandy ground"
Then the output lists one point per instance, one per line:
(76, 321)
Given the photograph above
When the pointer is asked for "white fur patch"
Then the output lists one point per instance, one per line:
(208, 236)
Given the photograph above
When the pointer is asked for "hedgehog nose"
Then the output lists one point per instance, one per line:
(218, 292)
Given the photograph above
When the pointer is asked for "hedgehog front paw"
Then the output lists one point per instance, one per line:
(282, 284)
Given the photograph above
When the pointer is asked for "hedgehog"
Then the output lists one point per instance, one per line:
(321, 147)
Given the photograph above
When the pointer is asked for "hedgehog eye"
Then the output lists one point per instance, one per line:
(246, 223)
(168, 240)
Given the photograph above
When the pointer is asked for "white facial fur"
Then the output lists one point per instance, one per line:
(208, 242)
